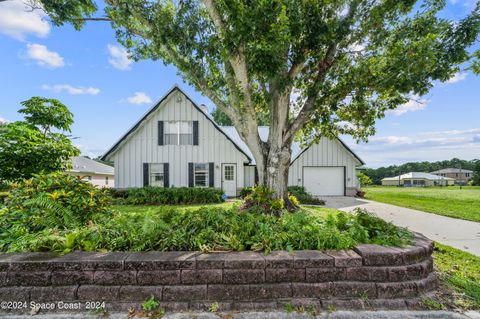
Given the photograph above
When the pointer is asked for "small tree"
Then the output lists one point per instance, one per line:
(318, 68)
(364, 179)
(31, 146)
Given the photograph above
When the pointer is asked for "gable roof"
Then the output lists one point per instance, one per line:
(155, 107)
(263, 132)
(229, 131)
(419, 175)
(82, 164)
(451, 170)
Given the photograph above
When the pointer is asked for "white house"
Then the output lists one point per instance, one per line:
(92, 171)
(177, 144)
(417, 179)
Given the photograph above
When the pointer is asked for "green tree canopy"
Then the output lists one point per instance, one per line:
(316, 67)
(30, 147)
(222, 119)
(377, 174)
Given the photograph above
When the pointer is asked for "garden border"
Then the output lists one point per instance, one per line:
(369, 276)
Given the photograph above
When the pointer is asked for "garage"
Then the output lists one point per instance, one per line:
(324, 181)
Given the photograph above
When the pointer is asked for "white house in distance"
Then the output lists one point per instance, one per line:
(417, 179)
(92, 171)
(177, 144)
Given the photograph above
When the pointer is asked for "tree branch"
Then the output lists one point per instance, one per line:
(237, 59)
(323, 66)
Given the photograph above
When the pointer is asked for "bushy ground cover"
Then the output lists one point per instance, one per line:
(449, 201)
(57, 212)
(459, 272)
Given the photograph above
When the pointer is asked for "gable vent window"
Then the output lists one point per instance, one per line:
(178, 133)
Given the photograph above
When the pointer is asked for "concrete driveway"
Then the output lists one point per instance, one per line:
(458, 233)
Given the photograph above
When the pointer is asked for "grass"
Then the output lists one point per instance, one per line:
(459, 271)
(447, 201)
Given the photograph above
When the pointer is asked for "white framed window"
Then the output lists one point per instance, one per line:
(178, 133)
(156, 176)
(106, 180)
(200, 175)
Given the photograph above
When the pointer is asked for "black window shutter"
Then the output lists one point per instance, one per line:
(145, 174)
(160, 132)
(166, 176)
(256, 175)
(190, 174)
(211, 174)
(195, 132)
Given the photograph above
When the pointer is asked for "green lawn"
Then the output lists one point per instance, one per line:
(447, 201)
(459, 271)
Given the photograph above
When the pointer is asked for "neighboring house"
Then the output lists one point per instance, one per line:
(461, 176)
(177, 144)
(92, 171)
(417, 179)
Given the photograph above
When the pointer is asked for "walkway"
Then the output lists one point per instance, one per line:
(458, 233)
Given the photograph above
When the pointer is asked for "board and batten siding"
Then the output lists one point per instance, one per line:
(141, 146)
(325, 153)
(249, 175)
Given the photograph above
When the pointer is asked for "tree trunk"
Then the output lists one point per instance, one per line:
(274, 173)
(273, 156)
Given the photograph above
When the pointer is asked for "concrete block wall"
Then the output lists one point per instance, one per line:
(384, 277)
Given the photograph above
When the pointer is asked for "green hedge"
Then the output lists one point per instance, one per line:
(168, 196)
(298, 191)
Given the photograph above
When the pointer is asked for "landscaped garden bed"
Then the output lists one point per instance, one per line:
(235, 254)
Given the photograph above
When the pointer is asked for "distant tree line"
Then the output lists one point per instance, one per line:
(376, 174)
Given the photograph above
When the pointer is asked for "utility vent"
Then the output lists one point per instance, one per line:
(204, 108)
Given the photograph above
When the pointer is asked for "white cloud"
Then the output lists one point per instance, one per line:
(119, 58)
(3, 120)
(415, 104)
(16, 20)
(139, 98)
(73, 90)
(43, 56)
(468, 4)
(457, 77)
(423, 146)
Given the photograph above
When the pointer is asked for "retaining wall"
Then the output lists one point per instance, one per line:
(367, 276)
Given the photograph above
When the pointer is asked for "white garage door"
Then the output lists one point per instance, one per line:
(324, 181)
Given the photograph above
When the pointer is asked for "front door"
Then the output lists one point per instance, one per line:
(229, 179)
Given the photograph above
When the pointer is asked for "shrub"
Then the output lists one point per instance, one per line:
(169, 196)
(54, 201)
(118, 193)
(245, 191)
(261, 201)
(303, 196)
(216, 228)
(299, 192)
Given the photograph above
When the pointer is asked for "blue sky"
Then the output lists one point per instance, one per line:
(107, 93)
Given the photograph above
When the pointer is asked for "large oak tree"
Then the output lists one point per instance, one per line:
(317, 67)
